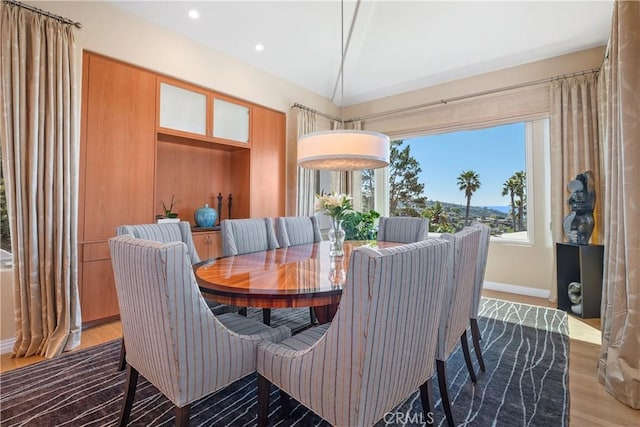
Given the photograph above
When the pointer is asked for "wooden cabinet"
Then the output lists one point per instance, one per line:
(208, 244)
(116, 168)
(147, 138)
(267, 163)
(581, 264)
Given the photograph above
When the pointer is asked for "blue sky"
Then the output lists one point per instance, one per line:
(494, 154)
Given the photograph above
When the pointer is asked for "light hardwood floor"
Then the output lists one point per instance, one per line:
(590, 404)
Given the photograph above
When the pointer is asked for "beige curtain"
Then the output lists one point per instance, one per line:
(39, 128)
(619, 364)
(307, 178)
(574, 148)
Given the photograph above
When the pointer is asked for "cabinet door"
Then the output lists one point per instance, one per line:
(201, 242)
(230, 120)
(98, 292)
(267, 163)
(182, 109)
(118, 147)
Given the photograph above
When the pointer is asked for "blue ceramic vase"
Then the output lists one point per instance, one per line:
(206, 216)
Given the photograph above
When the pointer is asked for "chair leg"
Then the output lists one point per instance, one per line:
(182, 416)
(444, 391)
(122, 363)
(285, 404)
(426, 395)
(129, 394)
(266, 316)
(467, 356)
(264, 387)
(242, 311)
(475, 335)
(312, 316)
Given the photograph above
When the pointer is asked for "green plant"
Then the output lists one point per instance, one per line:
(168, 212)
(360, 225)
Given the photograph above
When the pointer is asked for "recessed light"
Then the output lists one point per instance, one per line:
(259, 47)
(194, 14)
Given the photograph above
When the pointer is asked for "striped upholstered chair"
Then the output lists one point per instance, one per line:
(165, 233)
(297, 230)
(345, 371)
(457, 303)
(483, 252)
(403, 229)
(172, 338)
(243, 236)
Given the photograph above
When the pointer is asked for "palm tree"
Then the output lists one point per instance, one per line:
(468, 182)
(521, 185)
(509, 188)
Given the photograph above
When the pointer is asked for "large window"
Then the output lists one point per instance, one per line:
(456, 178)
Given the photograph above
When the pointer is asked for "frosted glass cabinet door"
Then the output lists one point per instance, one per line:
(230, 121)
(183, 109)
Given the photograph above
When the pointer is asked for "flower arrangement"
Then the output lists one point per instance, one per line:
(337, 206)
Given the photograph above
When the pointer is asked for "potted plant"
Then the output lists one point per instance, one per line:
(169, 214)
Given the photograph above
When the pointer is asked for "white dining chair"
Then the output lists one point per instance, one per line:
(403, 229)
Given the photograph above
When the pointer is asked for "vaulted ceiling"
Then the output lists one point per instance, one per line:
(391, 46)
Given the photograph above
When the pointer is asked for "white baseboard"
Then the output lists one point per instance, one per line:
(6, 346)
(517, 289)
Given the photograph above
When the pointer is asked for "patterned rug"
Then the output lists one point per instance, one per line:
(525, 349)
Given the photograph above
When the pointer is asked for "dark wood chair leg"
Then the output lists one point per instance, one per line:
(475, 335)
(312, 316)
(467, 356)
(285, 404)
(182, 416)
(264, 387)
(266, 316)
(122, 363)
(426, 395)
(242, 311)
(129, 394)
(444, 391)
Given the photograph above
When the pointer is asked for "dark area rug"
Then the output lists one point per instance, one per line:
(525, 349)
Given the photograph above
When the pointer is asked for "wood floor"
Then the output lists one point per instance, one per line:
(589, 404)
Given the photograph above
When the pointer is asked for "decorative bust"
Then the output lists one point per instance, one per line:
(578, 225)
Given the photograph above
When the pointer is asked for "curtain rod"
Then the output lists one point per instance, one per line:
(328, 116)
(472, 95)
(453, 99)
(43, 12)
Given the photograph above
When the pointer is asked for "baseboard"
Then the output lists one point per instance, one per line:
(6, 346)
(517, 289)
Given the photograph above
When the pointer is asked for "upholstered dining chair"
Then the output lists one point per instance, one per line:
(457, 303)
(243, 236)
(295, 231)
(483, 252)
(403, 229)
(372, 356)
(165, 233)
(172, 337)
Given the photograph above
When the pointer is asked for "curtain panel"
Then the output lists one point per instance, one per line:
(619, 90)
(40, 138)
(307, 178)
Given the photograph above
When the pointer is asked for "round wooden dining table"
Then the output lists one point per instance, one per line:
(297, 276)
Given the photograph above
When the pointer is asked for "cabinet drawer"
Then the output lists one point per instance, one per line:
(96, 251)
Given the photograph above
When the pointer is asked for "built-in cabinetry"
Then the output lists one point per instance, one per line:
(208, 244)
(148, 137)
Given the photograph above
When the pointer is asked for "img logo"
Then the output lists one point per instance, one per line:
(408, 418)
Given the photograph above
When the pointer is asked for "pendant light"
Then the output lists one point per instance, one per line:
(343, 150)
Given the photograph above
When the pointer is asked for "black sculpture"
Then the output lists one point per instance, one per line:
(219, 207)
(578, 225)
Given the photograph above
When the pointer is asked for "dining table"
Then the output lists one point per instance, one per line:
(296, 276)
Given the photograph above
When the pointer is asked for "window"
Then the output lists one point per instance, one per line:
(496, 164)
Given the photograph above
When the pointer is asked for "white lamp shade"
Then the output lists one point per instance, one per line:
(343, 150)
